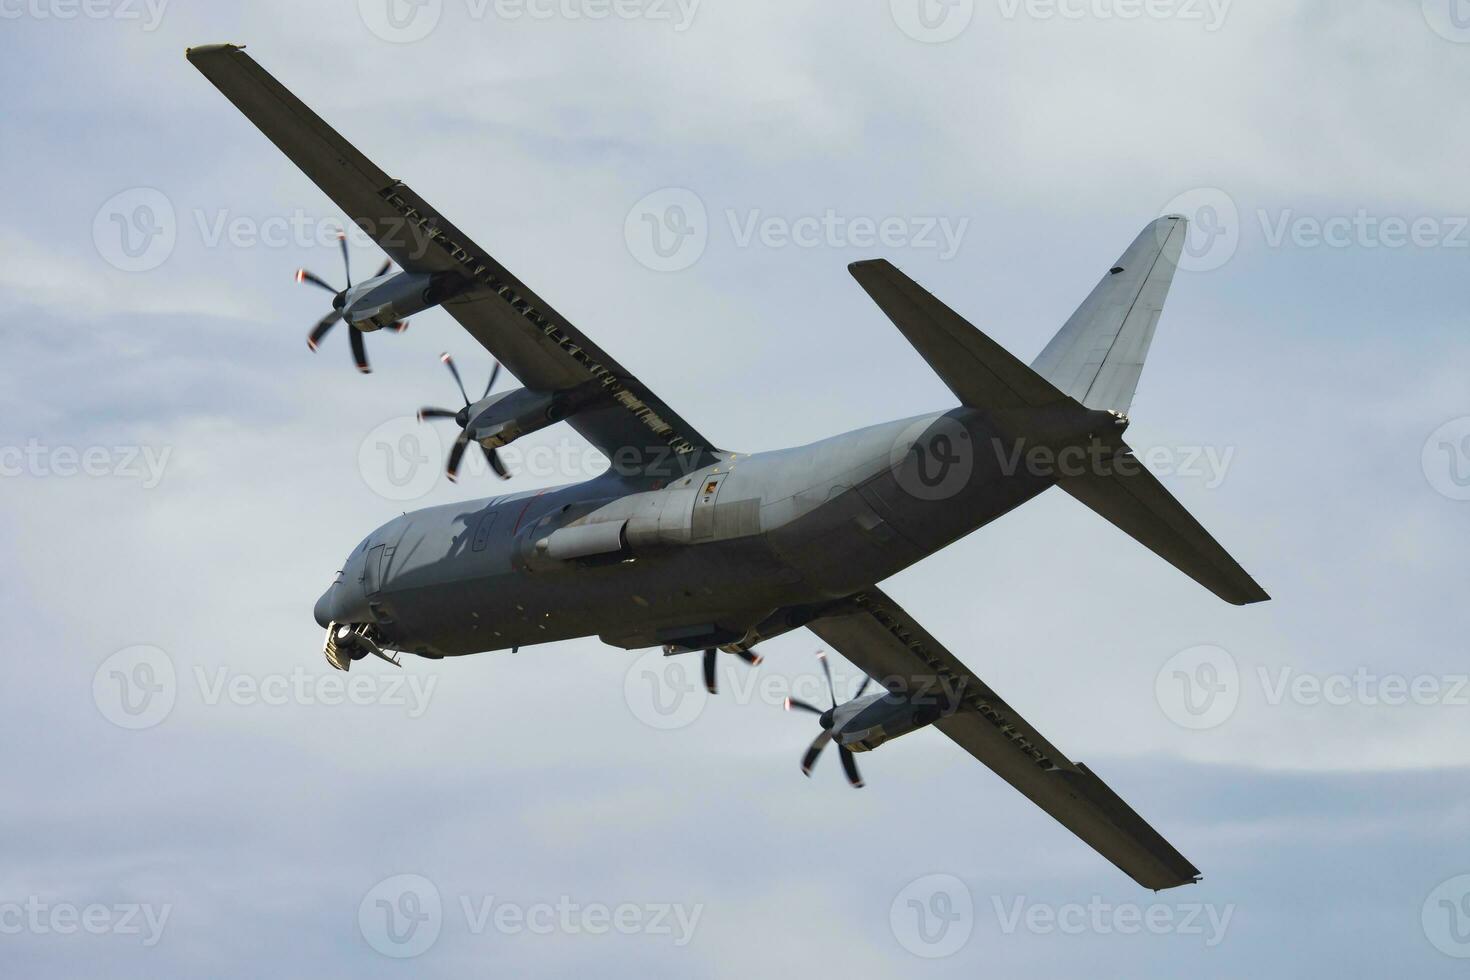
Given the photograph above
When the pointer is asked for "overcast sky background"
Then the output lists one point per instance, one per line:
(1333, 377)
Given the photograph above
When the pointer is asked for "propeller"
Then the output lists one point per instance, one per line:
(339, 301)
(712, 655)
(849, 764)
(462, 419)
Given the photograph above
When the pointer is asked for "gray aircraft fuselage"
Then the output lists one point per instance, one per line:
(730, 553)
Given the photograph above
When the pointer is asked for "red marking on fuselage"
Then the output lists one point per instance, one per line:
(523, 512)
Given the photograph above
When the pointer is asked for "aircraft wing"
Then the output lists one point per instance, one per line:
(876, 634)
(534, 342)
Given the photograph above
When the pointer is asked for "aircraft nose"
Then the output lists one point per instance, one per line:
(324, 606)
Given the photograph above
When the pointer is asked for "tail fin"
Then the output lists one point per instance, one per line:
(1098, 355)
(1117, 320)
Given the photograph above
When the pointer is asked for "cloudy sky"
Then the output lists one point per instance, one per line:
(189, 793)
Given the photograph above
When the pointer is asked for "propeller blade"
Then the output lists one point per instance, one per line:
(754, 659)
(436, 413)
(862, 687)
(493, 458)
(320, 330)
(849, 766)
(387, 264)
(494, 373)
(832, 690)
(457, 453)
(359, 350)
(810, 759)
(797, 704)
(449, 362)
(709, 669)
(400, 326)
(346, 262)
(303, 276)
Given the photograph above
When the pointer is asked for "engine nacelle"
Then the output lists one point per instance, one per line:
(389, 299)
(867, 723)
(499, 420)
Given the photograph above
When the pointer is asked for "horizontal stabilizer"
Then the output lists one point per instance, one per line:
(1135, 501)
(980, 372)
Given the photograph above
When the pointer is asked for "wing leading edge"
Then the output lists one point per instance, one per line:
(879, 637)
(534, 342)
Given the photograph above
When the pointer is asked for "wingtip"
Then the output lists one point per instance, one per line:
(205, 50)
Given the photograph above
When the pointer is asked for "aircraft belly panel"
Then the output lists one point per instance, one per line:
(843, 545)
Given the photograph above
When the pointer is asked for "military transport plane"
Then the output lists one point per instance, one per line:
(687, 546)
